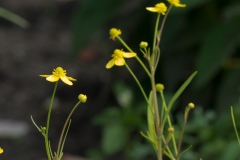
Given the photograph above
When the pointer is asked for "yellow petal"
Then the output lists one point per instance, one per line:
(152, 9)
(71, 79)
(110, 64)
(129, 55)
(119, 62)
(52, 78)
(44, 75)
(66, 80)
(180, 5)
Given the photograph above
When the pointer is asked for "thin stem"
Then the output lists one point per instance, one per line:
(64, 128)
(166, 142)
(182, 132)
(170, 155)
(156, 114)
(138, 59)
(155, 33)
(152, 64)
(48, 122)
(234, 124)
(162, 25)
(139, 84)
(180, 140)
(169, 122)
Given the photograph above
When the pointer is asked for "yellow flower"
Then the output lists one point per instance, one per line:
(57, 74)
(82, 98)
(176, 3)
(1, 150)
(159, 8)
(114, 33)
(118, 58)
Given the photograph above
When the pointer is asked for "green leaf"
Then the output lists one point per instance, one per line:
(13, 18)
(176, 95)
(114, 138)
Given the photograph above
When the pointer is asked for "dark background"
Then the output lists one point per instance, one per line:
(202, 37)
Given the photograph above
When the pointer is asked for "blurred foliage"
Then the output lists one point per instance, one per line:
(204, 37)
(13, 18)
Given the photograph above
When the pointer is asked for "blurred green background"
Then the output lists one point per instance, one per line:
(202, 37)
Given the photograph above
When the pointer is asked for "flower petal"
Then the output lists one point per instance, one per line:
(129, 55)
(52, 78)
(152, 9)
(66, 80)
(44, 75)
(119, 62)
(110, 64)
(71, 79)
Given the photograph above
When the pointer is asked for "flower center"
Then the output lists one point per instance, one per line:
(59, 72)
(118, 53)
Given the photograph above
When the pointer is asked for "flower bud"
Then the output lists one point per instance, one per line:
(191, 105)
(159, 87)
(143, 44)
(82, 98)
(171, 130)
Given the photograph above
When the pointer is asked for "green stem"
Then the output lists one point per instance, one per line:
(169, 122)
(155, 33)
(182, 132)
(138, 59)
(64, 128)
(139, 84)
(156, 114)
(234, 125)
(169, 153)
(162, 25)
(48, 122)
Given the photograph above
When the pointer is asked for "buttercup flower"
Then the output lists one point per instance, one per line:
(57, 74)
(159, 8)
(1, 150)
(118, 58)
(176, 3)
(114, 33)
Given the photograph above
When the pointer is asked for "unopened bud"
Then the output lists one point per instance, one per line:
(171, 130)
(191, 105)
(143, 44)
(82, 98)
(159, 87)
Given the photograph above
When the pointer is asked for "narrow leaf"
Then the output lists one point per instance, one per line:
(177, 94)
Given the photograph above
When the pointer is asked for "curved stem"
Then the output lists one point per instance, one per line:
(169, 122)
(162, 25)
(64, 128)
(156, 115)
(138, 59)
(139, 84)
(48, 122)
(155, 34)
